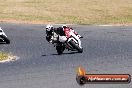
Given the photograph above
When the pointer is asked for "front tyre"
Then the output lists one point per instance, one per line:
(74, 45)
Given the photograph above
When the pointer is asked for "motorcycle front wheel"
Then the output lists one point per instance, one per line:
(74, 45)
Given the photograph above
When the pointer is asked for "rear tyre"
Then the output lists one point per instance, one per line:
(6, 40)
(74, 45)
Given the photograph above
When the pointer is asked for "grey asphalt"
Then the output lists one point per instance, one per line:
(107, 49)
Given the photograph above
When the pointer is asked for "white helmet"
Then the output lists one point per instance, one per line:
(64, 26)
(49, 27)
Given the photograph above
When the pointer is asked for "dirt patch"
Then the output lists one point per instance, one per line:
(122, 24)
(46, 22)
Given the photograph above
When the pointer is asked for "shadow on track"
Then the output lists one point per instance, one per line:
(61, 54)
(2, 43)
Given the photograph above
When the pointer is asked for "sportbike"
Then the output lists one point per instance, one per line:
(72, 42)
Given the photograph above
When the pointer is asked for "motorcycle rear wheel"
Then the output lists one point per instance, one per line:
(60, 49)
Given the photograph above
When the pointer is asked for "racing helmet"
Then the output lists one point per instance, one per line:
(64, 26)
(49, 27)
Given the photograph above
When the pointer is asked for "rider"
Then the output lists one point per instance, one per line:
(59, 31)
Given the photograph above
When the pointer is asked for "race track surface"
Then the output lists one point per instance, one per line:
(107, 49)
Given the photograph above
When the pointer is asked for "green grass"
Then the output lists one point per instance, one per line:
(67, 11)
(3, 56)
(7, 57)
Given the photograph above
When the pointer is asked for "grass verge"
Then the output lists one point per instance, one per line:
(67, 11)
(6, 57)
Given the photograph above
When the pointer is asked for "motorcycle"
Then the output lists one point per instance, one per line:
(3, 37)
(70, 41)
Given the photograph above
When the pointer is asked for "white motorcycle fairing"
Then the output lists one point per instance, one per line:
(3, 37)
(62, 39)
(2, 32)
(75, 38)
